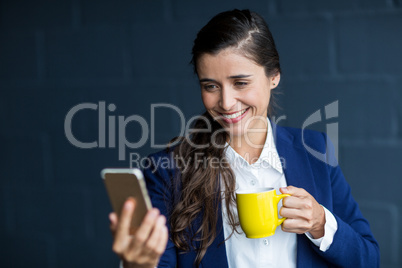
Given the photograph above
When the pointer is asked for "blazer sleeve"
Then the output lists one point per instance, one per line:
(158, 175)
(353, 244)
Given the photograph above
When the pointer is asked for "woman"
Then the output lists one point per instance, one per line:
(235, 146)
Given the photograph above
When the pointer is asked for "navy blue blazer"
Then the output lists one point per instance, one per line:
(353, 244)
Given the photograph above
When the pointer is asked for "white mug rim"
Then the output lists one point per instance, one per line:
(256, 191)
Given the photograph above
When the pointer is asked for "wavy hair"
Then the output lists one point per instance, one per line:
(204, 186)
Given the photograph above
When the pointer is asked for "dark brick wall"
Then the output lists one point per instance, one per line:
(57, 54)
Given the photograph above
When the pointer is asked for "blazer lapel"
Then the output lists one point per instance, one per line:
(295, 162)
(216, 253)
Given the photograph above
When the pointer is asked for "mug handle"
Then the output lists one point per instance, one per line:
(277, 199)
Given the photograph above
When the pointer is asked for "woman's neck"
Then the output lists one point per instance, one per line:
(249, 145)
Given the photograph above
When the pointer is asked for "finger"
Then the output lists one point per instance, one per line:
(144, 231)
(157, 243)
(113, 222)
(292, 202)
(295, 226)
(289, 213)
(161, 247)
(122, 235)
(156, 234)
(113, 218)
(294, 191)
(292, 213)
(137, 244)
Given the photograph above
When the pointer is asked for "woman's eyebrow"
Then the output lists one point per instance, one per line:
(230, 77)
(239, 76)
(207, 80)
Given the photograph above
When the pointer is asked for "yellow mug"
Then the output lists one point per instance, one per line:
(258, 211)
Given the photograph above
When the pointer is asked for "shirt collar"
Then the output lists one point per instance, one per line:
(269, 154)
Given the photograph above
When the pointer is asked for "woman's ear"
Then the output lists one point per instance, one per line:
(274, 80)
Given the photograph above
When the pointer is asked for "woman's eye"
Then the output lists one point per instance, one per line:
(210, 87)
(241, 83)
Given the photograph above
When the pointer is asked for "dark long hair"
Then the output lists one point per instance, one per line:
(204, 186)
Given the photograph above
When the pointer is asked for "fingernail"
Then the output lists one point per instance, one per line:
(154, 213)
(162, 220)
(128, 205)
(284, 190)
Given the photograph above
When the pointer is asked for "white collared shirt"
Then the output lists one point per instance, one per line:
(278, 250)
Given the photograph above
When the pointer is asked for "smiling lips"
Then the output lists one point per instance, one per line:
(234, 117)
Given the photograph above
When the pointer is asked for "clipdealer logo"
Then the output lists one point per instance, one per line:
(107, 127)
(332, 130)
(107, 134)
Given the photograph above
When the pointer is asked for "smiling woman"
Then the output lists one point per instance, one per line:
(236, 92)
(237, 64)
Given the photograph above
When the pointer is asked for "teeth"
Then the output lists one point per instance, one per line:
(231, 116)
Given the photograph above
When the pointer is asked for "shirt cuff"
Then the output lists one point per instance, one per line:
(330, 228)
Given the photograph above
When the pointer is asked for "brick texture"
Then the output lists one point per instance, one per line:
(188, 10)
(55, 55)
(17, 55)
(370, 44)
(35, 14)
(309, 6)
(372, 124)
(372, 164)
(87, 53)
(373, 174)
(106, 12)
(37, 251)
(390, 243)
(155, 47)
(17, 151)
(397, 86)
(303, 45)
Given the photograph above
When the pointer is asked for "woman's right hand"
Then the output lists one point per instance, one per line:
(145, 248)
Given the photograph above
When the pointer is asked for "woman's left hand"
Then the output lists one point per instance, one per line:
(302, 212)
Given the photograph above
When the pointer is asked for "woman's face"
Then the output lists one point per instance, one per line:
(235, 91)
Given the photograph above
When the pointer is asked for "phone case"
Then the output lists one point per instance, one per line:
(122, 184)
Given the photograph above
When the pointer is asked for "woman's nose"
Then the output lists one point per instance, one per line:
(228, 99)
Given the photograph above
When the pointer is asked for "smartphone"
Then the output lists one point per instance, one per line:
(123, 183)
